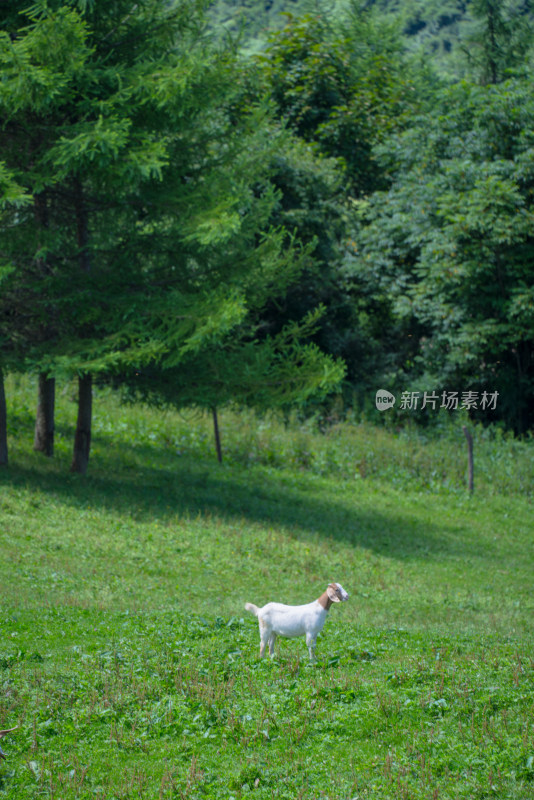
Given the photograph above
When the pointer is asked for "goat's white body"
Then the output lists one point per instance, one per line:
(292, 621)
(277, 619)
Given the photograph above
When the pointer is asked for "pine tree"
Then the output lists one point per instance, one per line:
(154, 247)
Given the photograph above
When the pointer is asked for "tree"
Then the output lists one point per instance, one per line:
(40, 62)
(501, 40)
(157, 243)
(451, 244)
(343, 85)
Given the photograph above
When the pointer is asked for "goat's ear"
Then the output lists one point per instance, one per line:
(332, 594)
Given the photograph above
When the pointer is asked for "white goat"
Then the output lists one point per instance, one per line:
(276, 619)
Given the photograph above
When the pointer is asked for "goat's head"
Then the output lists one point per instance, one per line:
(336, 593)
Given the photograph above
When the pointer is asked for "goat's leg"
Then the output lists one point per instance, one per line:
(310, 642)
(272, 640)
(264, 638)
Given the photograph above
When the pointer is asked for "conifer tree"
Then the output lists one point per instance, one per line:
(153, 246)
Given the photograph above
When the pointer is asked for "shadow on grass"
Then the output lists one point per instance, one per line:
(149, 482)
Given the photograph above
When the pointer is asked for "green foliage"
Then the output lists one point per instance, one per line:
(342, 86)
(451, 242)
(152, 199)
(280, 370)
(38, 67)
(457, 38)
(482, 38)
(12, 193)
(130, 666)
(311, 204)
(501, 40)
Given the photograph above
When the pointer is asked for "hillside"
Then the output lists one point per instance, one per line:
(131, 669)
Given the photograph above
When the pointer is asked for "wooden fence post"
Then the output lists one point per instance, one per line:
(470, 463)
(217, 435)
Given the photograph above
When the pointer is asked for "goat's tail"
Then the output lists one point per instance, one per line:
(252, 608)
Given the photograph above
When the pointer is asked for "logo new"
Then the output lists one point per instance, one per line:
(384, 400)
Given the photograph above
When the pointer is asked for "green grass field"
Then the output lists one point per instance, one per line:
(131, 668)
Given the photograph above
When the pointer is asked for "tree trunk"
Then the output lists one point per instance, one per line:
(43, 440)
(82, 437)
(493, 47)
(82, 227)
(3, 423)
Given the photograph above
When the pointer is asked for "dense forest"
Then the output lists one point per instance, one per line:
(203, 205)
(441, 30)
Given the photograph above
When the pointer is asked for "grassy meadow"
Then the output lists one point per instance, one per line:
(131, 668)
